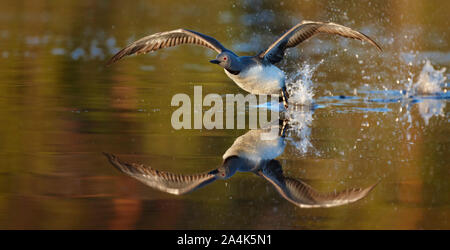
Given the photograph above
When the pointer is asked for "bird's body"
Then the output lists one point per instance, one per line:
(255, 74)
(259, 78)
(258, 145)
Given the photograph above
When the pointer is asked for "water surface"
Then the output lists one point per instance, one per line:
(60, 108)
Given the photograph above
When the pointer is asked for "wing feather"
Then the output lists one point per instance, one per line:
(165, 181)
(303, 195)
(305, 30)
(168, 39)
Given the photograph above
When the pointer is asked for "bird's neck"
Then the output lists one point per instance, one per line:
(234, 66)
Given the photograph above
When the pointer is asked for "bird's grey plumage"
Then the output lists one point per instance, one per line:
(305, 30)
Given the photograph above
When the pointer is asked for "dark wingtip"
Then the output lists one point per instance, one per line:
(374, 185)
(113, 160)
(378, 47)
(114, 59)
(122, 53)
(371, 41)
(110, 61)
(374, 43)
(110, 157)
(367, 190)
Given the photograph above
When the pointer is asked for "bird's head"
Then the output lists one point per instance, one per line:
(229, 61)
(229, 167)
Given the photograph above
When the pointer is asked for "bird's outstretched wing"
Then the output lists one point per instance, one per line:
(307, 29)
(168, 39)
(168, 182)
(303, 195)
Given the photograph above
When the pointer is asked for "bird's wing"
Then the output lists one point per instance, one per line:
(303, 195)
(307, 29)
(168, 182)
(168, 39)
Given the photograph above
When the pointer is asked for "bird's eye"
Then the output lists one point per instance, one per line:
(225, 58)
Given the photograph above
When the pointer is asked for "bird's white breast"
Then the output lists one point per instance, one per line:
(257, 145)
(260, 79)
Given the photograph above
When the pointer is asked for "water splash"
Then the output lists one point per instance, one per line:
(300, 115)
(429, 84)
(430, 80)
(299, 133)
(300, 86)
(430, 107)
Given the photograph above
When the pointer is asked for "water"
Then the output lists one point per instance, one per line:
(367, 116)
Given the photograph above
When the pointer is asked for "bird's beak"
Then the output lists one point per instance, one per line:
(215, 61)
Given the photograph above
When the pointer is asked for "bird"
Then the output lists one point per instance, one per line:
(255, 74)
(249, 153)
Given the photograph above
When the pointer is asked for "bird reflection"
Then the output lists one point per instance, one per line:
(253, 152)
